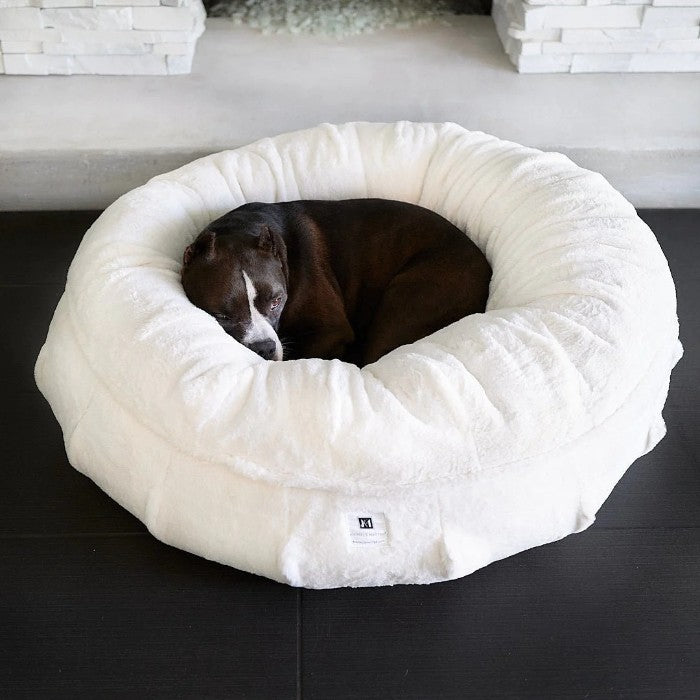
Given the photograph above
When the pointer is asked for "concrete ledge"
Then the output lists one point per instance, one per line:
(81, 141)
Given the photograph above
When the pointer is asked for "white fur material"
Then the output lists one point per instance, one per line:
(501, 432)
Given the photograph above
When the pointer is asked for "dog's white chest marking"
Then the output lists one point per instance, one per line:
(259, 328)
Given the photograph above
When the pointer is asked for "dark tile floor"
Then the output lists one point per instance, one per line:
(92, 606)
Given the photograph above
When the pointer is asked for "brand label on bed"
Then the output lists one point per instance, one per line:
(365, 528)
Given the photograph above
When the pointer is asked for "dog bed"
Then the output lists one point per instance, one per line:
(503, 431)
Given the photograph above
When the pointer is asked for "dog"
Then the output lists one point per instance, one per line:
(351, 279)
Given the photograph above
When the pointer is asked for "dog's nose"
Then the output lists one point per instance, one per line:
(264, 348)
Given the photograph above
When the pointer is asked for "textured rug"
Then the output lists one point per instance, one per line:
(339, 18)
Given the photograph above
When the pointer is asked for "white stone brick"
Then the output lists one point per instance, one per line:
(601, 63)
(671, 17)
(665, 62)
(523, 48)
(94, 48)
(502, 13)
(135, 36)
(147, 64)
(551, 34)
(107, 19)
(681, 46)
(52, 4)
(600, 37)
(15, 3)
(676, 3)
(127, 3)
(26, 64)
(607, 35)
(60, 65)
(29, 35)
(20, 46)
(171, 18)
(583, 17)
(179, 65)
(173, 49)
(529, 48)
(511, 45)
(600, 47)
(534, 34)
(20, 18)
(44, 64)
(174, 3)
(543, 64)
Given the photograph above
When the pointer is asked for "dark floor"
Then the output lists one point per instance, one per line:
(92, 606)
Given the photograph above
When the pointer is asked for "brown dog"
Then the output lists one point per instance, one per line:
(350, 279)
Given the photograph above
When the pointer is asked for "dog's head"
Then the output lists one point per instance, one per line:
(240, 277)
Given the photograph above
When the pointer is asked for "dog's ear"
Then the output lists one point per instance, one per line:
(267, 240)
(272, 242)
(202, 245)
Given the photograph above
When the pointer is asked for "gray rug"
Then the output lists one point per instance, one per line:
(340, 18)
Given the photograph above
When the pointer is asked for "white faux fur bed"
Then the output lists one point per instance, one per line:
(501, 432)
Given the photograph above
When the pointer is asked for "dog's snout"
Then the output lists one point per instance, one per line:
(264, 348)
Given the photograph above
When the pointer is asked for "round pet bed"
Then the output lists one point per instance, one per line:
(501, 432)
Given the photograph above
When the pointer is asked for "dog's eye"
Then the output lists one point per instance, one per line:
(275, 302)
(221, 317)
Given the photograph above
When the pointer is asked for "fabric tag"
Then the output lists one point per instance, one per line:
(365, 528)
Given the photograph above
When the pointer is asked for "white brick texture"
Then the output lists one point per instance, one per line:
(52, 4)
(101, 37)
(676, 3)
(671, 17)
(20, 18)
(27, 64)
(137, 36)
(92, 18)
(600, 63)
(127, 3)
(179, 65)
(44, 64)
(173, 18)
(29, 35)
(20, 46)
(682, 62)
(173, 48)
(605, 35)
(95, 48)
(601, 47)
(563, 17)
(542, 36)
(544, 64)
(121, 65)
(618, 2)
(680, 46)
